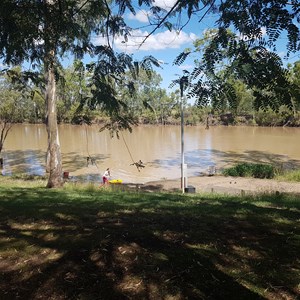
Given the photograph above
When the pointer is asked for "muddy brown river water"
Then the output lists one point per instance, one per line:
(159, 148)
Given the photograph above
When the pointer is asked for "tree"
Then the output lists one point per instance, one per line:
(247, 50)
(150, 101)
(294, 76)
(72, 90)
(41, 32)
(146, 87)
(12, 98)
(244, 96)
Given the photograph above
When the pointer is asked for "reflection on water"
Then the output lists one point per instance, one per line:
(158, 147)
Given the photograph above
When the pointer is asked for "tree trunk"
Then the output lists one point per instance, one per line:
(54, 162)
(4, 129)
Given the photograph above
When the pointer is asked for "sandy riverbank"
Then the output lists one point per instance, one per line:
(227, 185)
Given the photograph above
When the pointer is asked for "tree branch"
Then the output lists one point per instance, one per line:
(161, 22)
(107, 24)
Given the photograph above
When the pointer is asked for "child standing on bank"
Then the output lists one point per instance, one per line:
(106, 176)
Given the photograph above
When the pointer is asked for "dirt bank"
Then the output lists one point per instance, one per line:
(227, 185)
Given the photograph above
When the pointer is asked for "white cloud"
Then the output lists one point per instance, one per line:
(144, 15)
(186, 67)
(159, 41)
(141, 16)
(165, 4)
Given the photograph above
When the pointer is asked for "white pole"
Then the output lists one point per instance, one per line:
(182, 148)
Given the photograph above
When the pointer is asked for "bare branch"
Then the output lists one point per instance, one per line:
(160, 23)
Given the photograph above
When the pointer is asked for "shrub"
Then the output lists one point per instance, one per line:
(251, 170)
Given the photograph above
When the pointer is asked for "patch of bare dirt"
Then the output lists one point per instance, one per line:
(227, 185)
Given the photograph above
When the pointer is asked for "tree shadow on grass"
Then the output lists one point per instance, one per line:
(143, 246)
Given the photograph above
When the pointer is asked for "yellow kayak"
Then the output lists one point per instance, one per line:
(116, 181)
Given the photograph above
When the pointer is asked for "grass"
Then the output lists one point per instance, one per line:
(293, 176)
(85, 243)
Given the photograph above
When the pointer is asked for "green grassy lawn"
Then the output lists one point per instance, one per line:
(89, 243)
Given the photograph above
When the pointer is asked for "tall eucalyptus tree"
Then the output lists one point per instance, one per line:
(41, 32)
(44, 31)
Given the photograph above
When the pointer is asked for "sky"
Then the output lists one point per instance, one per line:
(163, 44)
(166, 45)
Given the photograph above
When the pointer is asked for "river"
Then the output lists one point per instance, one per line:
(158, 147)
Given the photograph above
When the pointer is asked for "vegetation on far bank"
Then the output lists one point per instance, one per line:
(151, 104)
(81, 242)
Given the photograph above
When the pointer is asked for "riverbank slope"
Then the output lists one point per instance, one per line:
(227, 185)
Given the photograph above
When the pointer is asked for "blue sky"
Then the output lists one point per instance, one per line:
(165, 45)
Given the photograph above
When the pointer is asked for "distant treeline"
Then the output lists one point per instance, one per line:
(150, 104)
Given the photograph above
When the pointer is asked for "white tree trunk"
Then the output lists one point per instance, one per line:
(54, 163)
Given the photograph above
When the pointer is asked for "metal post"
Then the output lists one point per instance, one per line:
(183, 83)
(182, 149)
